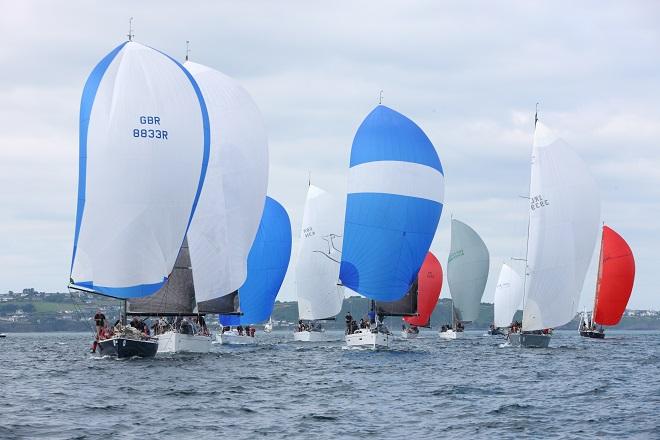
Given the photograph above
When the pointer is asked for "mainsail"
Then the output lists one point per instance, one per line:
(144, 147)
(508, 295)
(616, 275)
(406, 306)
(430, 284)
(267, 265)
(394, 202)
(232, 200)
(563, 227)
(467, 271)
(177, 296)
(319, 254)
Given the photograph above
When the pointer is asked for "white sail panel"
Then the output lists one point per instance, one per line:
(467, 270)
(564, 224)
(319, 255)
(234, 194)
(508, 295)
(144, 146)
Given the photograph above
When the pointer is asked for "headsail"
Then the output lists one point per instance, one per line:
(232, 200)
(564, 215)
(430, 284)
(508, 295)
(616, 275)
(319, 255)
(395, 196)
(267, 265)
(467, 270)
(144, 146)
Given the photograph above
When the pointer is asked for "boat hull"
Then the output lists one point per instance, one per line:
(306, 336)
(234, 339)
(496, 331)
(448, 334)
(175, 342)
(408, 335)
(127, 348)
(594, 334)
(529, 340)
(368, 339)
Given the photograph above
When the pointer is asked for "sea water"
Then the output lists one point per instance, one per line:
(473, 387)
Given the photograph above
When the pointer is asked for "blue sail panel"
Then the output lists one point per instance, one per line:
(267, 265)
(396, 193)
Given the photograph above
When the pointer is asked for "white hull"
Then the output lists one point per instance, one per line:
(448, 334)
(365, 338)
(306, 336)
(175, 342)
(408, 335)
(529, 340)
(234, 339)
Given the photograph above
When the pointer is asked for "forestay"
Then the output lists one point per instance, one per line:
(144, 145)
(395, 197)
(319, 255)
(232, 200)
(508, 295)
(564, 215)
(267, 265)
(430, 285)
(467, 270)
(616, 276)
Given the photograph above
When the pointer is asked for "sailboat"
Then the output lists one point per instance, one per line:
(563, 226)
(429, 287)
(317, 266)
(508, 296)
(395, 198)
(213, 262)
(268, 327)
(467, 274)
(616, 276)
(144, 147)
(267, 265)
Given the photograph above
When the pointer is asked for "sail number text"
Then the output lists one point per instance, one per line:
(538, 201)
(150, 133)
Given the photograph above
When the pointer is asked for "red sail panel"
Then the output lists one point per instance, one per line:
(616, 275)
(430, 284)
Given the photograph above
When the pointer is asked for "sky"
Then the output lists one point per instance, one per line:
(468, 73)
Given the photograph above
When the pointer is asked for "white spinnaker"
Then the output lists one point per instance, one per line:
(467, 270)
(508, 295)
(317, 266)
(234, 194)
(138, 186)
(564, 225)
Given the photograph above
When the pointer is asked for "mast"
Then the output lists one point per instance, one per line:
(599, 275)
(123, 312)
(529, 221)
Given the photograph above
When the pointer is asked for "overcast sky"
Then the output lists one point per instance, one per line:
(469, 73)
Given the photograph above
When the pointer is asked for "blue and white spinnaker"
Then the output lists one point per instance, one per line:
(144, 148)
(267, 265)
(394, 203)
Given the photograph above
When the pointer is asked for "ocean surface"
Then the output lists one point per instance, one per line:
(52, 387)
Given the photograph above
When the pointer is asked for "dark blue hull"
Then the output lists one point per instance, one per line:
(126, 348)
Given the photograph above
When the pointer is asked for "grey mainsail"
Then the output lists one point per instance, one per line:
(177, 296)
(406, 306)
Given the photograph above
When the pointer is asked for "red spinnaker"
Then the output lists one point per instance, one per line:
(430, 284)
(616, 274)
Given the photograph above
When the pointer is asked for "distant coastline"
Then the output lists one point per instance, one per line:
(33, 311)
